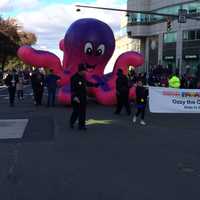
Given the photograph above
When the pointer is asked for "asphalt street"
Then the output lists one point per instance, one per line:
(113, 160)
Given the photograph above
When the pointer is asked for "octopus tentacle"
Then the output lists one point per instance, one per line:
(106, 94)
(64, 95)
(106, 98)
(61, 45)
(126, 59)
(65, 56)
(39, 58)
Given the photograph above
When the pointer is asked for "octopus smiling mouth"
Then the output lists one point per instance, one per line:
(90, 68)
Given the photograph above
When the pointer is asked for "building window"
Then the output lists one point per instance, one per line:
(198, 35)
(192, 7)
(185, 35)
(191, 35)
(194, 10)
(170, 37)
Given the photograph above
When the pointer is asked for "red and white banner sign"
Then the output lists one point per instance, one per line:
(169, 100)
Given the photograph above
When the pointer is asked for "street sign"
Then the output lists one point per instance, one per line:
(191, 57)
(182, 16)
(169, 57)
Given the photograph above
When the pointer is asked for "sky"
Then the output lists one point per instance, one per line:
(50, 19)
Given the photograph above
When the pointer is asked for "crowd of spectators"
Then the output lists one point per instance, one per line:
(159, 77)
(37, 78)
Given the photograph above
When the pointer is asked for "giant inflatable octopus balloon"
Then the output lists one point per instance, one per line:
(91, 42)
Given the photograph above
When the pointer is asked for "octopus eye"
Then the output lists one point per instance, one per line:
(88, 49)
(101, 50)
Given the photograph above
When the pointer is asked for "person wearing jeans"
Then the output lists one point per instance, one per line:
(51, 83)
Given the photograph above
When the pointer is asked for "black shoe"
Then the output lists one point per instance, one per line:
(82, 128)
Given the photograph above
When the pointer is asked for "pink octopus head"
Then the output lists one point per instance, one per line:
(88, 41)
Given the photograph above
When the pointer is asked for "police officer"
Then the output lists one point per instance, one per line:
(122, 92)
(79, 97)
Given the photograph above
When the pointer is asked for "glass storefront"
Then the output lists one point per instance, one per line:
(191, 35)
(190, 66)
(153, 50)
(169, 50)
(191, 50)
(170, 37)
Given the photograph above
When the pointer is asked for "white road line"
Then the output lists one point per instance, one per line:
(6, 95)
(12, 128)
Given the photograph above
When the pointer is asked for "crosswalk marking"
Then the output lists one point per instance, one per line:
(12, 128)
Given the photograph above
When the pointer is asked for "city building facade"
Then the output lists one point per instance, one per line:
(123, 43)
(177, 48)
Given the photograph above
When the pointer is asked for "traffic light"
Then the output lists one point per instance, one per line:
(169, 25)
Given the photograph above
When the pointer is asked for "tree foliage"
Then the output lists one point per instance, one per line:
(12, 36)
(9, 28)
(27, 38)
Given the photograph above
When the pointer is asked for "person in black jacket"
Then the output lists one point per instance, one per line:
(11, 81)
(141, 101)
(51, 83)
(79, 97)
(122, 92)
(37, 81)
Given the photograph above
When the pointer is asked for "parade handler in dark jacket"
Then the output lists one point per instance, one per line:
(38, 82)
(51, 83)
(79, 97)
(11, 82)
(141, 101)
(122, 92)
